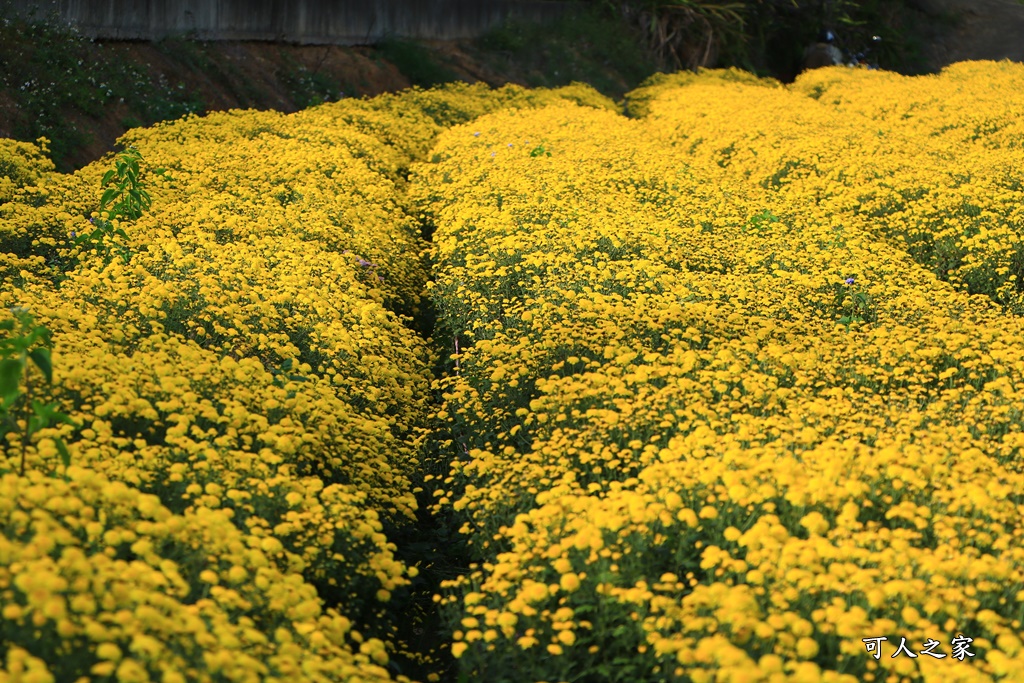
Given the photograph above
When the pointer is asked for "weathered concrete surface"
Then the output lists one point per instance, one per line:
(303, 22)
(981, 29)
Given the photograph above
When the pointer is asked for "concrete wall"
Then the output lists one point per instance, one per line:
(339, 22)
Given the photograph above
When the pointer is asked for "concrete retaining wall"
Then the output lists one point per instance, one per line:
(308, 22)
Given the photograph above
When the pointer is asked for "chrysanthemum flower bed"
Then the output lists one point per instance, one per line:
(739, 380)
(250, 395)
(735, 388)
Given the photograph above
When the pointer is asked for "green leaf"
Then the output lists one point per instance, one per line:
(24, 342)
(107, 177)
(64, 419)
(107, 197)
(65, 457)
(7, 325)
(42, 410)
(10, 380)
(41, 357)
(32, 338)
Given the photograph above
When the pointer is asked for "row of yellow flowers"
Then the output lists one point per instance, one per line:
(729, 403)
(250, 393)
(209, 375)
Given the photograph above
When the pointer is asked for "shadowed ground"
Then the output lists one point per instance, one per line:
(983, 29)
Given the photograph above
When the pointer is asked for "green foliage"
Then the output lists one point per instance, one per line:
(21, 411)
(851, 304)
(415, 62)
(687, 34)
(128, 189)
(760, 224)
(124, 198)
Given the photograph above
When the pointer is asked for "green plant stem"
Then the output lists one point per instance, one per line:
(26, 432)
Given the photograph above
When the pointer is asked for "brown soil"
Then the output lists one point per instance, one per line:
(241, 75)
(981, 29)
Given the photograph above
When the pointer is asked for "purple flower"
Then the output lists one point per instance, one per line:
(510, 144)
(363, 262)
(476, 135)
(73, 234)
(492, 154)
(849, 280)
